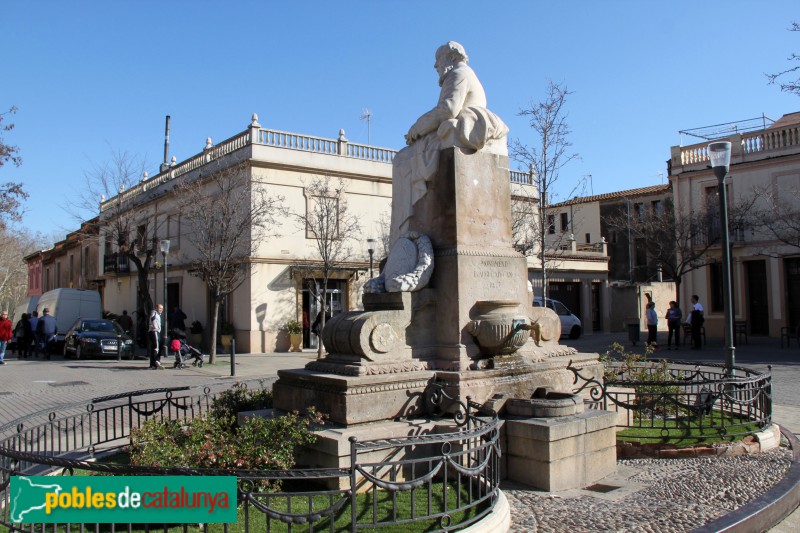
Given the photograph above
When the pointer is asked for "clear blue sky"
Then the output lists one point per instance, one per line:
(92, 77)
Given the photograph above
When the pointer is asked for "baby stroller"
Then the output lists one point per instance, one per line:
(184, 351)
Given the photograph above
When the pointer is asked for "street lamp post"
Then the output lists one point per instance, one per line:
(371, 243)
(164, 252)
(720, 155)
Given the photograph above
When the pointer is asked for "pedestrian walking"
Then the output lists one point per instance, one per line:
(46, 329)
(652, 325)
(673, 317)
(126, 322)
(153, 334)
(696, 320)
(23, 335)
(34, 320)
(5, 335)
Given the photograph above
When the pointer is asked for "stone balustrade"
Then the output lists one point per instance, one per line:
(340, 147)
(747, 146)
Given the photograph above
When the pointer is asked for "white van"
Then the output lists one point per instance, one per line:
(68, 305)
(570, 324)
(28, 305)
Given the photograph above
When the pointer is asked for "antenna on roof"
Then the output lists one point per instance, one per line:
(165, 164)
(591, 185)
(366, 114)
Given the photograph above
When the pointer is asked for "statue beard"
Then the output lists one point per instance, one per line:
(444, 74)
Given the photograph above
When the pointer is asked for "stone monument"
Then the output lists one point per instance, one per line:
(453, 304)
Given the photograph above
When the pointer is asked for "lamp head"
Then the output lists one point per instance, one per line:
(165, 246)
(720, 155)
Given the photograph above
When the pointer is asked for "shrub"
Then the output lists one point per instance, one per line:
(293, 326)
(216, 441)
(226, 328)
(240, 398)
(208, 442)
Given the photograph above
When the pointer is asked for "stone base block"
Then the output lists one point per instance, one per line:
(561, 453)
(349, 400)
(332, 448)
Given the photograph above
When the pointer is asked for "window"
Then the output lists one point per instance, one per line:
(322, 218)
(551, 224)
(658, 208)
(612, 238)
(174, 230)
(141, 236)
(715, 273)
(638, 211)
(564, 222)
(588, 238)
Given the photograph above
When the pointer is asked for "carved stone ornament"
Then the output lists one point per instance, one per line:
(499, 329)
(408, 268)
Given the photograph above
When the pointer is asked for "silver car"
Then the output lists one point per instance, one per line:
(570, 324)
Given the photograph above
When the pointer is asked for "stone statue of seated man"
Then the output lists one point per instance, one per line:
(460, 119)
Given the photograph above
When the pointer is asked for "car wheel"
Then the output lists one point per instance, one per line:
(78, 351)
(66, 352)
(575, 332)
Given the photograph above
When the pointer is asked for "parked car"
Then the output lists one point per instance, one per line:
(96, 337)
(570, 324)
(67, 306)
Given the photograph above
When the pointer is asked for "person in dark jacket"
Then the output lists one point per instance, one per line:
(24, 336)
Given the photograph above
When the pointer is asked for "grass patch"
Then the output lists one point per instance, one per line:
(689, 431)
(373, 506)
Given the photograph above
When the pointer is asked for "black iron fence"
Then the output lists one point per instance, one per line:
(682, 399)
(440, 479)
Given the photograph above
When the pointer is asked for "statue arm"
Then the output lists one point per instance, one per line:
(451, 101)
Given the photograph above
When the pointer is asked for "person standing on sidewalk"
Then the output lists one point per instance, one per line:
(696, 319)
(153, 334)
(5, 335)
(652, 325)
(34, 320)
(673, 317)
(47, 328)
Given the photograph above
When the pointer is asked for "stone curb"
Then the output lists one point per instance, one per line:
(750, 445)
(769, 509)
(499, 520)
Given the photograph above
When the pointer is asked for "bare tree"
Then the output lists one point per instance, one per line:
(328, 221)
(546, 158)
(778, 217)
(13, 270)
(679, 240)
(524, 222)
(11, 194)
(131, 230)
(226, 217)
(792, 85)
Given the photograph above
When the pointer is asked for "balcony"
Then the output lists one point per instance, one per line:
(745, 147)
(116, 263)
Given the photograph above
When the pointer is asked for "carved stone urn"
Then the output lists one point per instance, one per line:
(499, 328)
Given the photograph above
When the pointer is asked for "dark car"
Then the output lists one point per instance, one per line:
(91, 337)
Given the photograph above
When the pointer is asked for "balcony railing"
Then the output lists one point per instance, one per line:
(116, 263)
(340, 147)
(751, 143)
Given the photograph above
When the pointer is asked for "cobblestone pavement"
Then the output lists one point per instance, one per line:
(654, 495)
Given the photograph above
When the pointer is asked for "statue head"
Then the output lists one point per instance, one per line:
(447, 56)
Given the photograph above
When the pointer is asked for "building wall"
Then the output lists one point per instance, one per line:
(766, 164)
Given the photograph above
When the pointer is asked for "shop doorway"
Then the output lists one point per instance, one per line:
(312, 305)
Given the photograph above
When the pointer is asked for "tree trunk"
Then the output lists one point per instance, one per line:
(212, 352)
(324, 306)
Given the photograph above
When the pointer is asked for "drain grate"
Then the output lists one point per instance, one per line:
(599, 487)
(3, 393)
(68, 383)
